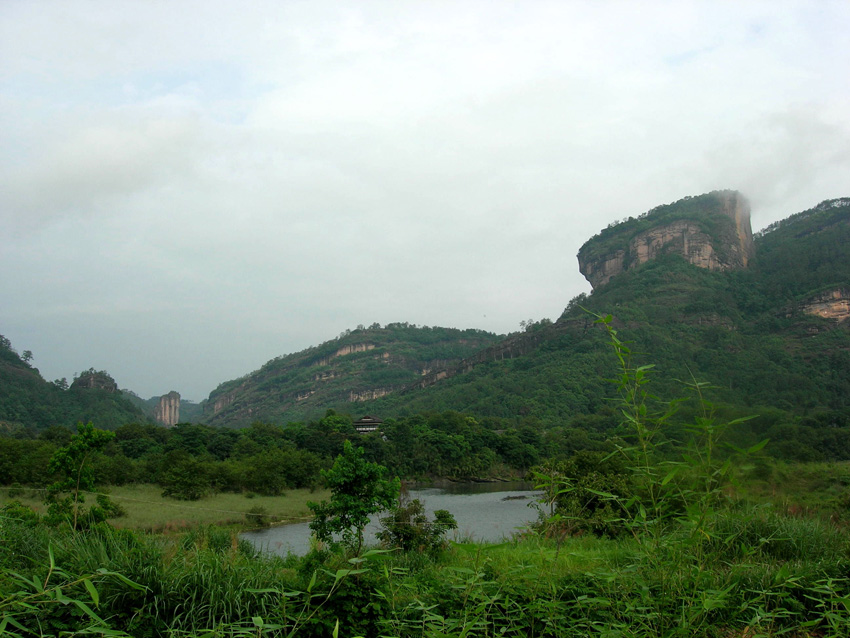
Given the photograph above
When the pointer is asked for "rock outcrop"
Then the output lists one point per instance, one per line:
(167, 411)
(94, 380)
(368, 395)
(710, 231)
(832, 304)
(343, 351)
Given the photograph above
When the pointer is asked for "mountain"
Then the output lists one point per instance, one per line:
(770, 335)
(360, 365)
(764, 319)
(28, 401)
(168, 409)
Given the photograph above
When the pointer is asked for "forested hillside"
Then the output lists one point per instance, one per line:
(359, 365)
(28, 401)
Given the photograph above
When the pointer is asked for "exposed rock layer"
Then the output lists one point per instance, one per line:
(832, 304)
(636, 242)
(92, 380)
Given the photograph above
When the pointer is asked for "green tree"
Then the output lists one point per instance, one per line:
(358, 489)
(72, 462)
(184, 477)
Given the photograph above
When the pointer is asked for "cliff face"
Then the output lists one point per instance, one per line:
(167, 411)
(711, 231)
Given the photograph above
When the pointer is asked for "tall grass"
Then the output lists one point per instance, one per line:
(765, 574)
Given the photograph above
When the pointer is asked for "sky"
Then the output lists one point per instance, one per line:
(189, 189)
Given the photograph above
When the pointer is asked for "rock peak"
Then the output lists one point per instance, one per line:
(711, 231)
(167, 411)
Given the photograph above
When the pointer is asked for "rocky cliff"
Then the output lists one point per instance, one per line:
(167, 411)
(710, 231)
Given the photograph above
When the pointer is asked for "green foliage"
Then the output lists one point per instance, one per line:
(408, 527)
(688, 490)
(358, 489)
(185, 478)
(27, 400)
(73, 464)
(58, 603)
(258, 516)
(303, 385)
(761, 572)
(584, 494)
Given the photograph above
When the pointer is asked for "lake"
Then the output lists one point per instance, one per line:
(485, 512)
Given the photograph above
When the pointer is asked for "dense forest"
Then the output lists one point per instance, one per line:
(358, 365)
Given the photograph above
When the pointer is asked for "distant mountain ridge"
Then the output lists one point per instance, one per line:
(753, 298)
(773, 334)
(27, 401)
(360, 365)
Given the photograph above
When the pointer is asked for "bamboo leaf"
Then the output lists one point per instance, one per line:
(602, 494)
(757, 447)
(92, 591)
(670, 476)
(122, 578)
(11, 620)
(342, 573)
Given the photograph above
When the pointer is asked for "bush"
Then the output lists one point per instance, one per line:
(258, 516)
(408, 528)
(186, 480)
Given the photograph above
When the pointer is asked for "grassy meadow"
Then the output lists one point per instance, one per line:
(147, 510)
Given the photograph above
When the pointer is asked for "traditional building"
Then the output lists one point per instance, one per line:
(367, 424)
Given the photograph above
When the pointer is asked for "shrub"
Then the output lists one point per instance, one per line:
(258, 516)
(407, 527)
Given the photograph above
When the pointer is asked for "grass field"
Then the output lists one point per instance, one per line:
(148, 510)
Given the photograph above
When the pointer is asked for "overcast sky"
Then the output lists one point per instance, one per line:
(189, 189)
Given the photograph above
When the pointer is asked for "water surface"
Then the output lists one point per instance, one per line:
(485, 512)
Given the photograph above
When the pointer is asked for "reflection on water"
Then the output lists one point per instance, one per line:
(487, 512)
